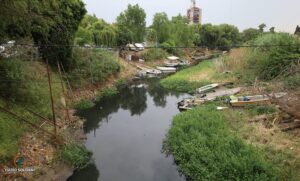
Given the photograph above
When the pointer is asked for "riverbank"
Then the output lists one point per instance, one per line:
(255, 144)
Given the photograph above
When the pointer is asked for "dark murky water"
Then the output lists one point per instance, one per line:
(126, 133)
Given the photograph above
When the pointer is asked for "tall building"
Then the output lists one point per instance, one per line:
(194, 14)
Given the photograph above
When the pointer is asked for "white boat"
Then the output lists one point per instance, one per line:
(169, 63)
(173, 58)
(183, 63)
(207, 88)
(153, 71)
(166, 69)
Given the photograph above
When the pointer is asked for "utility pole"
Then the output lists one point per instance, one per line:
(51, 96)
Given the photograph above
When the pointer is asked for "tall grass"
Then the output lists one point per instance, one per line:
(205, 149)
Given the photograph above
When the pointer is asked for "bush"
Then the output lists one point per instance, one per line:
(268, 62)
(121, 84)
(154, 54)
(204, 148)
(92, 66)
(261, 109)
(106, 93)
(84, 104)
(76, 155)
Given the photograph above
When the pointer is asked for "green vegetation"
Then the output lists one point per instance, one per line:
(205, 149)
(47, 23)
(261, 109)
(191, 78)
(121, 84)
(131, 25)
(92, 66)
(94, 31)
(76, 155)
(106, 93)
(154, 54)
(22, 88)
(292, 81)
(84, 104)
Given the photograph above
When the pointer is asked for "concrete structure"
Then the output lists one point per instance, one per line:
(194, 14)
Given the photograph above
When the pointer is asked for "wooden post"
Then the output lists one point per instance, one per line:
(64, 92)
(51, 96)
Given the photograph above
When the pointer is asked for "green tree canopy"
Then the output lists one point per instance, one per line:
(131, 25)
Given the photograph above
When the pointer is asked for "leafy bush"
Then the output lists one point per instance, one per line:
(84, 104)
(267, 61)
(205, 149)
(76, 155)
(121, 84)
(92, 66)
(154, 54)
(106, 93)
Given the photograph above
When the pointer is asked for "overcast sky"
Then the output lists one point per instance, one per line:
(282, 14)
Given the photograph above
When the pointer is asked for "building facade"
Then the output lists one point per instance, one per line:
(194, 14)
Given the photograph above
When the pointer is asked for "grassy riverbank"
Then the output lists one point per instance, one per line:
(240, 144)
(194, 77)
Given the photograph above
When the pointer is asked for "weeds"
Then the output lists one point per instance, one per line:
(84, 104)
(76, 155)
(206, 149)
(106, 93)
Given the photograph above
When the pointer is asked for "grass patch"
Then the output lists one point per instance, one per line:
(206, 149)
(189, 79)
(261, 109)
(121, 84)
(106, 93)
(29, 89)
(84, 104)
(292, 82)
(76, 155)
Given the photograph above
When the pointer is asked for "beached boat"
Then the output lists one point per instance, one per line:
(153, 71)
(166, 69)
(256, 99)
(207, 88)
(171, 63)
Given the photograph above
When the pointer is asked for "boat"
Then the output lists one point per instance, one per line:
(183, 63)
(189, 103)
(207, 88)
(220, 93)
(256, 99)
(171, 63)
(166, 69)
(153, 71)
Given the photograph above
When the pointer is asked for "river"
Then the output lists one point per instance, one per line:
(126, 133)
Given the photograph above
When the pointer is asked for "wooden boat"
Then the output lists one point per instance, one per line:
(207, 88)
(256, 99)
(166, 69)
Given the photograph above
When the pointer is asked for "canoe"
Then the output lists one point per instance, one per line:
(207, 88)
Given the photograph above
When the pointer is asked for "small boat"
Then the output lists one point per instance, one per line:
(166, 69)
(183, 63)
(256, 99)
(153, 71)
(207, 88)
(171, 63)
(173, 58)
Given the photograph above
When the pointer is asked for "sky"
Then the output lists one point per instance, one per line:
(284, 15)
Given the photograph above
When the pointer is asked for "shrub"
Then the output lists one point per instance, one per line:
(84, 104)
(293, 81)
(92, 66)
(106, 93)
(76, 155)
(121, 84)
(154, 54)
(204, 148)
(268, 62)
(261, 109)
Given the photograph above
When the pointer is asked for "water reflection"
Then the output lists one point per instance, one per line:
(126, 132)
(90, 173)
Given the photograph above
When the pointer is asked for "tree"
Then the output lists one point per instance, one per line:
(132, 21)
(229, 36)
(262, 27)
(297, 31)
(272, 29)
(161, 25)
(250, 34)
